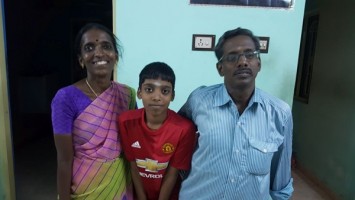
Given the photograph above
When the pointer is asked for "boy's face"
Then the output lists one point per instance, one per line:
(156, 96)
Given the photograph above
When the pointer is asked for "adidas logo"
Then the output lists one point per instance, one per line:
(136, 145)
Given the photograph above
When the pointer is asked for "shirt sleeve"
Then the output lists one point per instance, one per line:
(186, 109)
(182, 157)
(281, 180)
(124, 139)
(62, 113)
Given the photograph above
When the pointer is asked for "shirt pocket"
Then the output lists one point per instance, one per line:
(259, 156)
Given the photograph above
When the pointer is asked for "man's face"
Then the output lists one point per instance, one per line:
(239, 73)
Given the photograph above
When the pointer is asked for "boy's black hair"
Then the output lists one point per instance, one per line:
(156, 70)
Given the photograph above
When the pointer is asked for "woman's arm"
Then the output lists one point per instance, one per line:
(64, 146)
(168, 183)
(137, 182)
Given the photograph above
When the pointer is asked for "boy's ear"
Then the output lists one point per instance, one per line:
(173, 96)
(139, 93)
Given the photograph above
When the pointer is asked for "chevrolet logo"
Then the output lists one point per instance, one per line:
(151, 165)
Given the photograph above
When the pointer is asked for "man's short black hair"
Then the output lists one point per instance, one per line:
(218, 50)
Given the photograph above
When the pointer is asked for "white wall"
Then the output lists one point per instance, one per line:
(160, 30)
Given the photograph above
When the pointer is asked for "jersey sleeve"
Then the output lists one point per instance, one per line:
(183, 154)
(124, 138)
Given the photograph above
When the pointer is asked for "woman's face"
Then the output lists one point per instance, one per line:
(97, 53)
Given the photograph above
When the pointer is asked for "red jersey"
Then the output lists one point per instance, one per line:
(154, 150)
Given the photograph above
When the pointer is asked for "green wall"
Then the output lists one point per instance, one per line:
(160, 30)
(324, 132)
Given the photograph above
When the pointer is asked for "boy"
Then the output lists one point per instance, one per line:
(156, 141)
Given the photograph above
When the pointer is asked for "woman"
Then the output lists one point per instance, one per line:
(90, 163)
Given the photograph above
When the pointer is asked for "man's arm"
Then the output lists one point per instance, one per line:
(281, 181)
(137, 182)
(168, 183)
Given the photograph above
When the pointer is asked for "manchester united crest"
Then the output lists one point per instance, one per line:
(168, 148)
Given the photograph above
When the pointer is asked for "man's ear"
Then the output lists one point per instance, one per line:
(139, 93)
(219, 69)
(259, 65)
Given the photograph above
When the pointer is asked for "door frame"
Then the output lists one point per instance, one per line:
(7, 184)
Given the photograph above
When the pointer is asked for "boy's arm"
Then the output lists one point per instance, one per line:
(168, 183)
(137, 182)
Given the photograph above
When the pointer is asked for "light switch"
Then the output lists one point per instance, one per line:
(264, 44)
(201, 42)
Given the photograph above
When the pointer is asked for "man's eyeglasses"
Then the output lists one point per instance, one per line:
(233, 58)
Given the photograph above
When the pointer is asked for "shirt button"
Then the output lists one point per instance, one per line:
(237, 151)
(232, 180)
(264, 150)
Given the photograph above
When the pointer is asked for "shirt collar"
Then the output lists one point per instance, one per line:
(256, 97)
(222, 97)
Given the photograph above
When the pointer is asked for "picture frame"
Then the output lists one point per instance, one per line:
(254, 3)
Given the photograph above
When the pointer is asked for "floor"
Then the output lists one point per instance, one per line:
(305, 189)
(35, 172)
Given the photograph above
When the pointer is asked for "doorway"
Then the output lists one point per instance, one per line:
(39, 41)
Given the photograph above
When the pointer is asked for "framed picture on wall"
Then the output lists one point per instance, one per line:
(258, 3)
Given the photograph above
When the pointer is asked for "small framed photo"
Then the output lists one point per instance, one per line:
(264, 44)
(202, 42)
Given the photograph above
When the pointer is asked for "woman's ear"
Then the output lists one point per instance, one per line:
(81, 62)
(117, 58)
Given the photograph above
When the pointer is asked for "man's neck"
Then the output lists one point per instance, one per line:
(241, 97)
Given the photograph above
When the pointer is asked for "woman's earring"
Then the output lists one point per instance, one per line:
(82, 66)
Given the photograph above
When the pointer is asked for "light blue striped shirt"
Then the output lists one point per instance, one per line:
(239, 157)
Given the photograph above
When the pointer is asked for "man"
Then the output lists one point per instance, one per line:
(245, 135)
